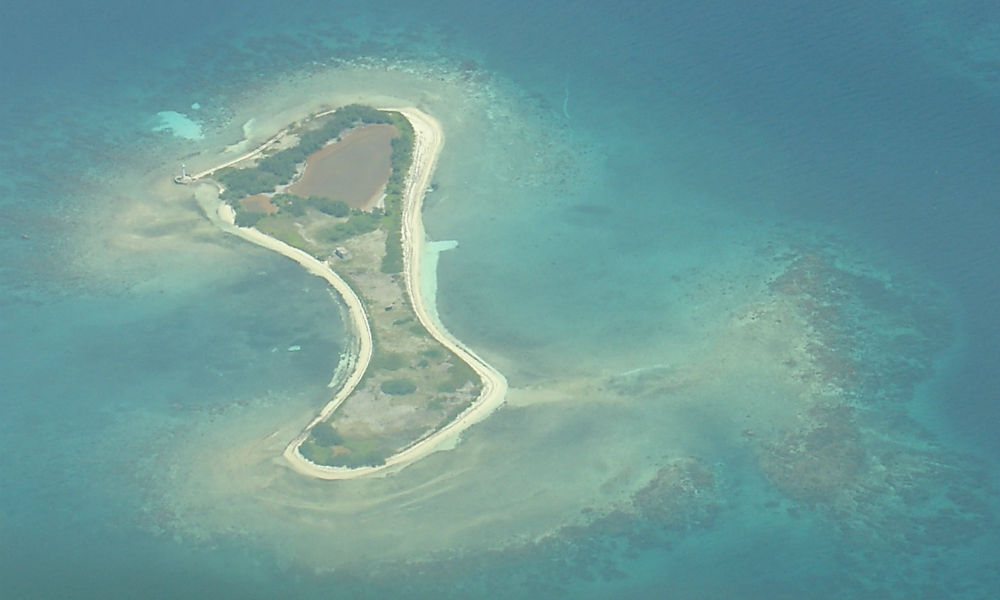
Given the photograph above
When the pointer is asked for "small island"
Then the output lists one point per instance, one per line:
(340, 193)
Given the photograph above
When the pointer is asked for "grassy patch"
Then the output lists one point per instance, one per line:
(358, 223)
(321, 455)
(284, 230)
(324, 434)
(458, 375)
(296, 205)
(363, 452)
(433, 353)
(350, 452)
(390, 361)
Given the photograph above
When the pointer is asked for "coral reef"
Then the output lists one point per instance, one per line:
(898, 500)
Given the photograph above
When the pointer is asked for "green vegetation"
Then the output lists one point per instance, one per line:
(402, 157)
(280, 167)
(240, 183)
(289, 204)
(390, 361)
(459, 374)
(319, 448)
(372, 458)
(325, 435)
(409, 365)
(311, 451)
(398, 387)
(283, 230)
(245, 218)
(455, 411)
(392, 262)
(334, 208)
(297, 205)
(358, 223)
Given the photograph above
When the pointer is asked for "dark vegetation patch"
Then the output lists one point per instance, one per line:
(398, 387)
(280, 167)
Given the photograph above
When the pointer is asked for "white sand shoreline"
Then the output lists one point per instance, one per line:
(428, 141)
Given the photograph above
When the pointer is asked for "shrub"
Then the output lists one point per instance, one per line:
(334, 208)
(321, 455)
(324, 434)
(280, 167)
(290, 204)
(372, 458)
(240, 183)
(390, 361)
(359, 223)
(398, 387)
(458, 375)
(248, 219)
(392, 261)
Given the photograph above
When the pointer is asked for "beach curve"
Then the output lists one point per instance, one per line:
(428, 141)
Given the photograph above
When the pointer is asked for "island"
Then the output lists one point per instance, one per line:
(341, 193)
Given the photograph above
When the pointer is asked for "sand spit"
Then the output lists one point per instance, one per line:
(428, 140)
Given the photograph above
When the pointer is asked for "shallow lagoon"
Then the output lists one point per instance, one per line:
(741, 312)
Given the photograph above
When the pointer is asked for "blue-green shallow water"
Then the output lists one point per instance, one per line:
(708, 188)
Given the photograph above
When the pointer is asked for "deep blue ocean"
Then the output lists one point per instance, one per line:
(738, 261)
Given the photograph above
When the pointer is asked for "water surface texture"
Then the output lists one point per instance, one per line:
(739, 265)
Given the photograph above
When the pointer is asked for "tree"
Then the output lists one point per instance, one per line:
(398, 387)
(325, 434)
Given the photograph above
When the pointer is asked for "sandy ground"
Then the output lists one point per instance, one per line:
(429, 140)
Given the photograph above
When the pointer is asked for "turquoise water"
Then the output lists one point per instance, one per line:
(738, 265)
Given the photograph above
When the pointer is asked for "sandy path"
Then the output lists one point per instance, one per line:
(429, 139)
(209, 172)
(356, 311)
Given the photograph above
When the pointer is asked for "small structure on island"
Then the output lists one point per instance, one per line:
(183, 178)
(341, 253)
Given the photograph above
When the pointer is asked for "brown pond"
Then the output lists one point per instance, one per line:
(354, 170)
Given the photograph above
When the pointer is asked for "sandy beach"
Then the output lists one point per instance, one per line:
(358, 319)
(429, 140)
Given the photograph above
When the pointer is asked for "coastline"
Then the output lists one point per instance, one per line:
(358, 318)
(428, 141)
